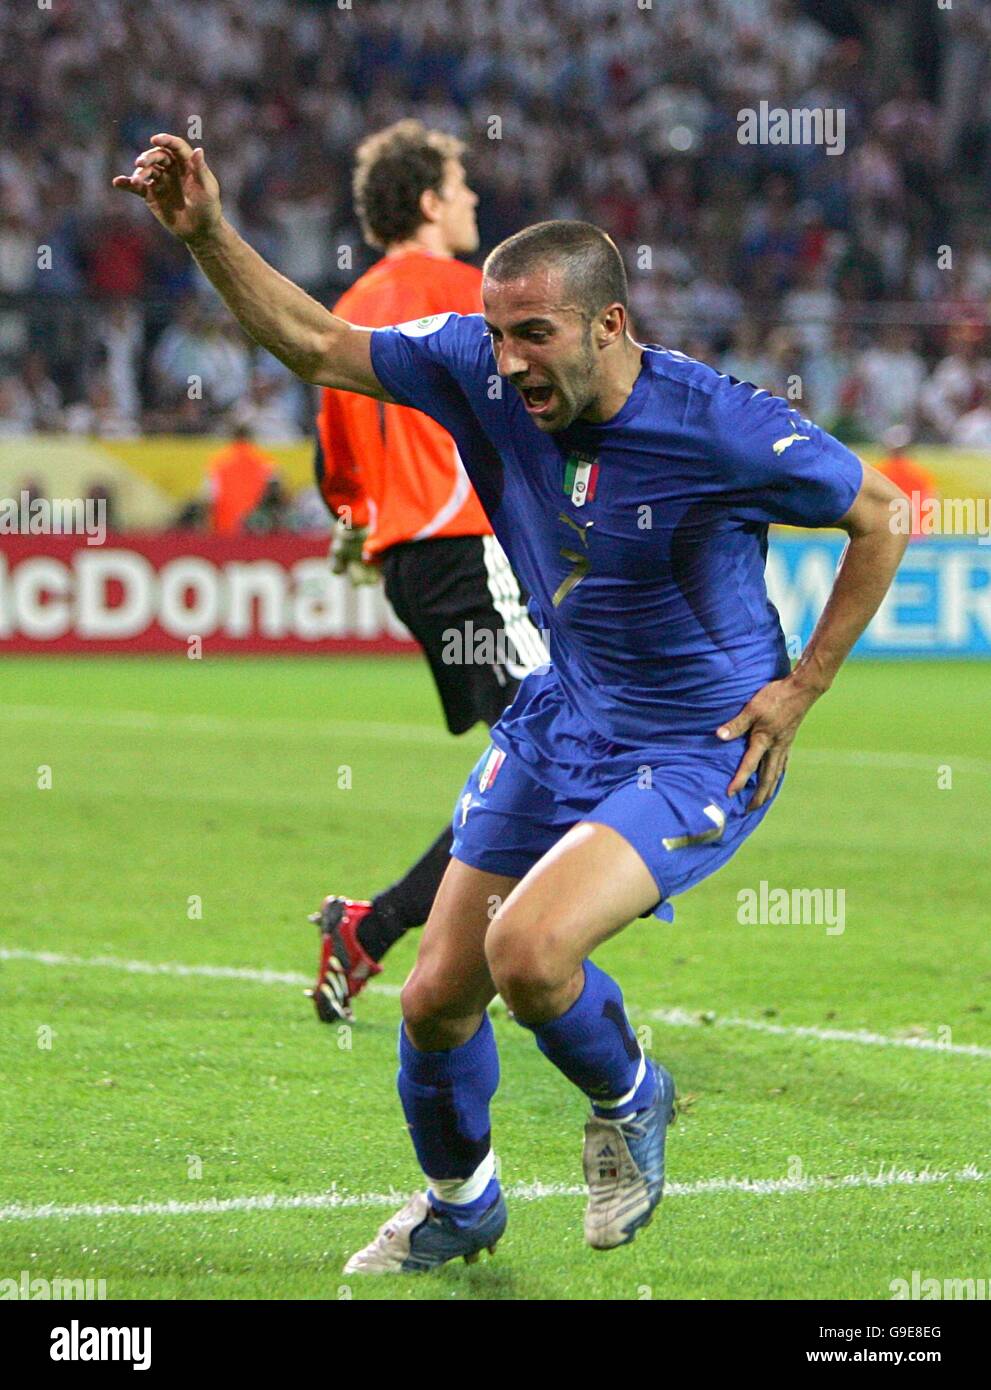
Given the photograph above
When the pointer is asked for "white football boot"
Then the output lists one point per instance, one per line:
(624, 1168)
(419, 1238)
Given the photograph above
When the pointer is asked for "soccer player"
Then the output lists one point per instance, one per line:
(632, 489)
(394, 479)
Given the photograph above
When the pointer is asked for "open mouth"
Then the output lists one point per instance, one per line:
(537, 399)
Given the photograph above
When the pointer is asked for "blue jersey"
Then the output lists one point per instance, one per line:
(642, 541)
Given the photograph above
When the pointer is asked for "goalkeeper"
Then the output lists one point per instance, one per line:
(406, 510)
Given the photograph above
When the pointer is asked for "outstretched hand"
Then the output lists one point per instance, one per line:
(772, 718)
(178, 186)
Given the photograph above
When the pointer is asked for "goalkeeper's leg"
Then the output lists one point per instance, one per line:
(355, 935)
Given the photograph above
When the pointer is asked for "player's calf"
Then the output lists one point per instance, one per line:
(448, 1073)
(592, 1042)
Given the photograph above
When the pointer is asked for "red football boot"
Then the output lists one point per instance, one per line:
(345, 967)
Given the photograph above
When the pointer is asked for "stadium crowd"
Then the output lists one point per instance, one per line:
(857, 283)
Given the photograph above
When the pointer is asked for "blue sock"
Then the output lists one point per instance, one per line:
(445, 1098)
(595, 1047)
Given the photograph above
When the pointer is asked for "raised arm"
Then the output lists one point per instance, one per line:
(182, 192)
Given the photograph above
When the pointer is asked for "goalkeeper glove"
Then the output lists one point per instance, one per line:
(346, 546)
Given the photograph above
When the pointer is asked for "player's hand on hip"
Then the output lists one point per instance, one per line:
(771, 718)
(178, 186)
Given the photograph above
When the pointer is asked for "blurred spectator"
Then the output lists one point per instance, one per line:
(672, 118)
(786, 361)
(747, 360)
(17, 266)
(973, 429)
(811, 307)
(29, 400)
(958, 382)
(308, 512)
(595, 108)
(16, 409)
(974, 263)
(115, 252)
(802, 42)
(193, 515)
(98, 414)
(303, 214)
(202, 359)
(891, 374)
(238, 478)
(832, 385)
(18, 252)
(712, 304)
(119, 341)
(910, 123)
(964, 76)
(906, 473)
(60, 272)
(271, 408)
(44, 395)
(271, 512)
(106, 501)
(770, 252)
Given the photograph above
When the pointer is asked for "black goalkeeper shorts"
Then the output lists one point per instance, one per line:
(462, 602)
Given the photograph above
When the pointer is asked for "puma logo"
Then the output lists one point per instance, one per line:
(780, 445)
(578, 527)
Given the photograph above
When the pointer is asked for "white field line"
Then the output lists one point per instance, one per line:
(681, 1018)
(902, 762)
(227, 726)
(672, 1018)
(148, 967)
(520, 1192)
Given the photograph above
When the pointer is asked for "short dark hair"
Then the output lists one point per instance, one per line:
(393, 169)
(593, 268)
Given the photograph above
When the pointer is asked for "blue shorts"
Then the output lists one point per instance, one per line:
(676, 815)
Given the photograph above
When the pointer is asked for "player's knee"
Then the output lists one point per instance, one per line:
(525, 960)
(437, 1005)
(423, 998)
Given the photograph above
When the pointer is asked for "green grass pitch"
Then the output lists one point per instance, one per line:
(217, 785)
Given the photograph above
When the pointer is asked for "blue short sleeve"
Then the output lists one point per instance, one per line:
(419, 362)
(779, 466)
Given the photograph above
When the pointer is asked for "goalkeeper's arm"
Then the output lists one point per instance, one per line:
(184, 196)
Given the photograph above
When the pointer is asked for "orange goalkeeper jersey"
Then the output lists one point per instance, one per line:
(396, 469)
